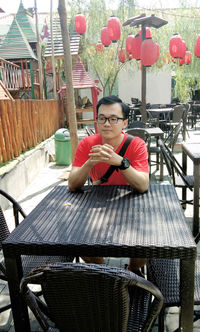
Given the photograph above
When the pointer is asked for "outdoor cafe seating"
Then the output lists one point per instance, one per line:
(179, 178)
(90, 297)
(29, 262)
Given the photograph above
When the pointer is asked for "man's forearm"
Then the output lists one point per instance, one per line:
(136, 179)
(78, 176)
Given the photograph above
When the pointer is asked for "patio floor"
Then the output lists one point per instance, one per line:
(43, 183)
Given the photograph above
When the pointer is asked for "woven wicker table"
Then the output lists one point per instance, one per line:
(112, 221)
(192, 150)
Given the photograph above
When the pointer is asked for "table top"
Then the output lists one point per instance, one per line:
(114, 221)
(154, 131)
(160, 110)
(192, 150)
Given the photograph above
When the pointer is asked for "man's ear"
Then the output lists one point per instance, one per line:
(125, 123)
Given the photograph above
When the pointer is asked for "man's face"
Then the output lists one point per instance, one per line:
(110, 130)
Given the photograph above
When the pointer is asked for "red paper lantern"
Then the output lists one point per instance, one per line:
(197, 47)
(184, 48)
(188, 57)
(136, 50)
(181, 61)
(149, 52)
(122, 55)
(129, 43)
(99, 47)
(105, 39)
(114, 28)
(157, 51)
(148, 33)
(177, 47)
(80, 24)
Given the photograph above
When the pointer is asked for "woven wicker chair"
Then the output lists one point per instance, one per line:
(155, 150)
(179, 177)
(164, 273)
(29, 262)
(90, 297)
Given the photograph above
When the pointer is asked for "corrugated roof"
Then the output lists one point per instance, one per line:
(81, 79)
(25, 24)
(15, 45)
(58, 44)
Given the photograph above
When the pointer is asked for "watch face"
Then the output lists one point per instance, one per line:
(124, 164)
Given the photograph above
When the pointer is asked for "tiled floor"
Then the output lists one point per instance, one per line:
(48, 178)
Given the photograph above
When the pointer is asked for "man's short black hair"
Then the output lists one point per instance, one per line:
(113, 100)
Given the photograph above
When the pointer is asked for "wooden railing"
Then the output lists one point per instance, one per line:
(26, 123)
(10, 74)
(15, 76)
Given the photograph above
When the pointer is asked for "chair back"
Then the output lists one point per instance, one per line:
(89, 297)
(174, 136)
(89, 131)
(178, 113)
(172, 164)
(136, 124)
(140, 132)
(4, 231)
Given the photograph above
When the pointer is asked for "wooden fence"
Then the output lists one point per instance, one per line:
(26, 123)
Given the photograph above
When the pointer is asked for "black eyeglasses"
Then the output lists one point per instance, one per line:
(112, 120)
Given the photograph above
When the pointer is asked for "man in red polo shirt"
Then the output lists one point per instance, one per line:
(96, 153)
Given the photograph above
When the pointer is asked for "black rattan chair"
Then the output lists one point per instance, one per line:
(90, 297)
(29, 262)
(179, 177)
(170, 141)
(136, 124)
(89, 131)
(164, 273)
(140, 132)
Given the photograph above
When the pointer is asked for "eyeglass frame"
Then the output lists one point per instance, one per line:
(108, 119)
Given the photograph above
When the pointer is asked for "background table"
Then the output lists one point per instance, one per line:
(109, 221)
(156, 132)
(158, 111)
(192, 150)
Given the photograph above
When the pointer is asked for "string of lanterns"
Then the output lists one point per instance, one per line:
(147, 51)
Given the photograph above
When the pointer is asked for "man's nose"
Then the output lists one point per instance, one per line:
(107, 122)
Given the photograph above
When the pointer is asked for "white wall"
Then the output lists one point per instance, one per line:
(158, 88)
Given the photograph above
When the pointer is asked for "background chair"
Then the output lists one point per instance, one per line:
(136, 124)
(29, 262)
(89, 131)
(179, 177)
(140, 132)
(170, 141)
(164, 273)
(90, 297)
(177, 116)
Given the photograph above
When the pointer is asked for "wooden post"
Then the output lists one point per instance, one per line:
(32, 80)
(68, 74)
(39, 54)
(52, 56)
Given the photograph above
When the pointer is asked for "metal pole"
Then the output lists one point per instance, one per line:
(143, 108)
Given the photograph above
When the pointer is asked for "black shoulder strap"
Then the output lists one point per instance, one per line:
(112, 168)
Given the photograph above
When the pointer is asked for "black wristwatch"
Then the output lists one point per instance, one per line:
(124, 164)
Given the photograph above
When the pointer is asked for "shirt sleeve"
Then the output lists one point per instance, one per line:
(82, 153)
(138, 155)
